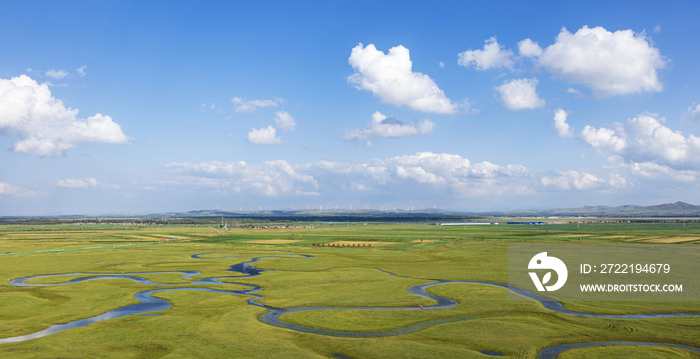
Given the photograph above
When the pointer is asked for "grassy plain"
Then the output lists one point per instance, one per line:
(201, 324)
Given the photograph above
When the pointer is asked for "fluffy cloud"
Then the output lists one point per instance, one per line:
(264, 136)
(617, 181)
(441, 171)
(573, 180)
(284, 121)
(610, 63)
(7, 189)
(651, 170)
(268, 135)
(529, 48)
(270, 178)
(563, 128)
(520, 94)
(430, 171)
(430, 174)
(382, 126)
(252, 105)
(454, 167)
(603, 139)
(644, 139)
(56, 74)
(390, 77)
(43, 124)
(492, 56)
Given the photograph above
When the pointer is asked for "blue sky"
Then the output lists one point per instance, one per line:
(142, 107)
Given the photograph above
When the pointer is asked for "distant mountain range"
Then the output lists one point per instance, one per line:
(678, 209)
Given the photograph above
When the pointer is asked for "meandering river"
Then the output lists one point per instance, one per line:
(272, 316)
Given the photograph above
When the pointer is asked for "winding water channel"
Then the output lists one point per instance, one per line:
(272, 316)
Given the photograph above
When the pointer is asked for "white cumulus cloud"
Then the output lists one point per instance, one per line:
(617, 181)
(45, 127)
(644, 138)
(284, 121)
(491, 56)
(651, 170)
(609, 63)
(441, 171)
(242, 105)
(264, 136)
(7, 189)
(573, 180)
(56, 74)
(391, 78)
(426, 172)
(520, 94)
(603, 139)
(529, 48)
(563, 128)
(382, 126)
(269, 178)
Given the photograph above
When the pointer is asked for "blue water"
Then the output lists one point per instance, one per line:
(272, 316)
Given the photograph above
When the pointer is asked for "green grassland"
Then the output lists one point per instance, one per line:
(625, 351)
(203, 324)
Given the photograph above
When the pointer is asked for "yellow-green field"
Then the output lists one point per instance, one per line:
(213, 325)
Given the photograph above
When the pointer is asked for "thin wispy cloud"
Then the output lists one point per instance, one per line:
(242, 105)
(56, 74)
(7, 189)
(81, 70)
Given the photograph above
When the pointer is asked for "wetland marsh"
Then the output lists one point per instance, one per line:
(310, 293)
